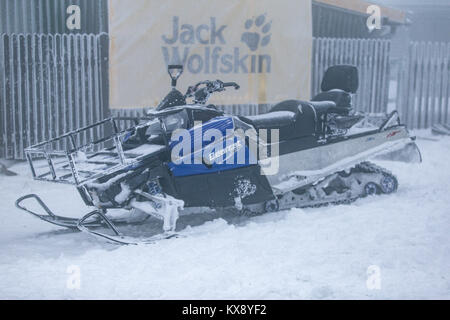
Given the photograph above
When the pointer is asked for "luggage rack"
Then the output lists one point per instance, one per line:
(77, 163)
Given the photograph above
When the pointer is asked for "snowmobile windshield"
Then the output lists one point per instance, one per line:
(152, 131)
(170, 122)
(174, 121)
(173, 99)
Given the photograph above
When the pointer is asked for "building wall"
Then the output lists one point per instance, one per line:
(334, 22)
(49, 16)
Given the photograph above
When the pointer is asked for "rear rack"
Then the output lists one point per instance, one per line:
(70, 161)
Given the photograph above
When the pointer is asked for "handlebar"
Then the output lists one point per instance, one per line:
(201, 95)
(231, 84)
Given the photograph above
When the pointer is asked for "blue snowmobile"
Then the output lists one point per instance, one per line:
(184, 158)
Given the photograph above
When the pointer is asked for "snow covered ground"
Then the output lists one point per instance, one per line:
(322, 253)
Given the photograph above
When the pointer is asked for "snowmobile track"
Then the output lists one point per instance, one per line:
(340, 187)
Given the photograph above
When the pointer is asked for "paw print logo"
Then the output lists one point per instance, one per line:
(260, 35)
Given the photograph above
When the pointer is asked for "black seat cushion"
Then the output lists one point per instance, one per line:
(287, 105)
(271, 120)
(293, 118)
(305, 120)
(323, 107)
(340, 97)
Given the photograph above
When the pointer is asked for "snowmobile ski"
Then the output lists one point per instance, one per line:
(117, 237)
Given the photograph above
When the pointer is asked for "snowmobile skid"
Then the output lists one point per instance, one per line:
(317, 156)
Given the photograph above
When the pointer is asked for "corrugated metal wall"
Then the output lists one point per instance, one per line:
(423, 94)
(50, 84)
(49, 16)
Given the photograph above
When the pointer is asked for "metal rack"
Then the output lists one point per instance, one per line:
(78, 163)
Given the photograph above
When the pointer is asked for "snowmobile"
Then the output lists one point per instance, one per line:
(319, 149)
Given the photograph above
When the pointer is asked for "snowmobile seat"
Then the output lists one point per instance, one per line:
(342, 99)
(293, 118)
(342, 77)
(326, 107)
(338, 83)
(271, 120)
(305, 123)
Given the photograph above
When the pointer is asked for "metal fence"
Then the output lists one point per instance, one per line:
(50, 84)
(372, 59)
(423, 91)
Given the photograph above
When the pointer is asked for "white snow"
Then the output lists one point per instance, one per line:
(107, 184)
(322, 253)
(145, 149)
(124, 193)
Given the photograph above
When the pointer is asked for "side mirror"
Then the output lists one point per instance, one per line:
(175, 72)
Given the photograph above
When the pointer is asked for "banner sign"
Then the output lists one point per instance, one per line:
(263, 45)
